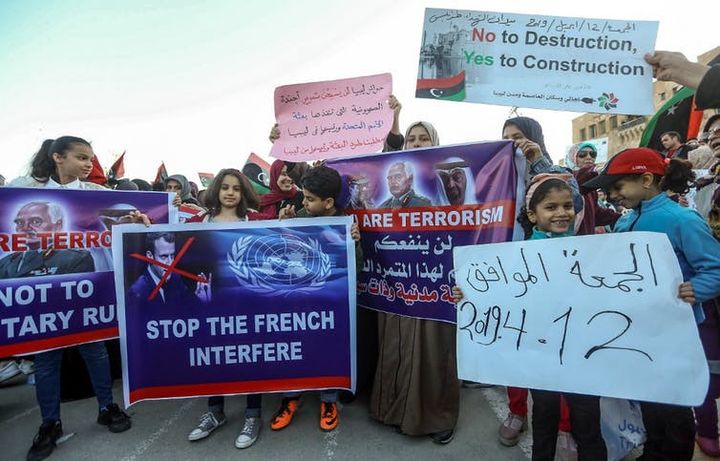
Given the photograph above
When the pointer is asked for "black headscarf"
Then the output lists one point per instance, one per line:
(532, 130)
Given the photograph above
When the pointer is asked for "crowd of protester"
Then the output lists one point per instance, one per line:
(408, 365)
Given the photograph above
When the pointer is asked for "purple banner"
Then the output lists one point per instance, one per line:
(414, 206)
(56, 282)
(218, 309)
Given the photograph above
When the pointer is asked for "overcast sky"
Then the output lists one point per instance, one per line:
(191, 82)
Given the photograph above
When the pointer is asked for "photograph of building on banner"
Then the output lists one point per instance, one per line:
(413, 207)
(578, 321)
(331, 119)
(543, 62)
(56, 280)
(220, 309)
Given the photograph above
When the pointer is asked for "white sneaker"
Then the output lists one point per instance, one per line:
(208, 423)
(249, 433)
(27, 367)
(8, 370)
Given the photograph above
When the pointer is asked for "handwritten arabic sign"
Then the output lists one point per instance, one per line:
(56, 280)
(579, 321)
(332, 119)
(278, 314)
(545, 62)
(414, 206)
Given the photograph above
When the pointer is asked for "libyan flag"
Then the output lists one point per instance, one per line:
(258, 171)
(677, 114)
(449, 89)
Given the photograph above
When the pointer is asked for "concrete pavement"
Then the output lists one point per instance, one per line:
(160, 429)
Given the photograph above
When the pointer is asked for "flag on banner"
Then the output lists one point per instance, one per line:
(258, 171)
(677, 114)
(161, 174)
(117, 170)
(97, 175)
(450, 88)
(206, 179)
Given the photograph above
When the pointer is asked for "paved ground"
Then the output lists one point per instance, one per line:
(160, 429)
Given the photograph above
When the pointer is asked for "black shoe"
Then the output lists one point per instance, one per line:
(44, 442)
(442, 438)
(114, 418)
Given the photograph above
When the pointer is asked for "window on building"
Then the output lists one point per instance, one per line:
(602, 126)
(583, 133)
(593, 131)
(663, 96)
(613, 122)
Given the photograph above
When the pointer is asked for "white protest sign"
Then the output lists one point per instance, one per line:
(544, 62)
(596, 315)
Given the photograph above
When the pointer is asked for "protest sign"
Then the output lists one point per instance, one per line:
(544, 62)
(414, 206)
(56, 281)
(333, 118)
(574, 320)
(210, 309)
(601, 145)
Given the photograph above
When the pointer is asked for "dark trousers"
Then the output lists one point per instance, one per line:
(584, 419)
(253, 407)
(670, 432)
(47, 378)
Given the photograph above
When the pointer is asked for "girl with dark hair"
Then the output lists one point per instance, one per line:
(527, 135)
(283, 191)
(639, 179)
(230, 198)
(549, 212)
(65, 163)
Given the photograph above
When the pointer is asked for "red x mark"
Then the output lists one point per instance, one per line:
(169, 269)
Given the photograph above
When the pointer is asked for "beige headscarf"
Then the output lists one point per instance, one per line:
(432, 132)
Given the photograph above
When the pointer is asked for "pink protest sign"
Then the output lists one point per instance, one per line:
(331, 119)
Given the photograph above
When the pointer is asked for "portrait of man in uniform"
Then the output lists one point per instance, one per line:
(400, 184)
(32, 219)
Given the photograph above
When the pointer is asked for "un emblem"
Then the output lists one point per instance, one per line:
(279, 263)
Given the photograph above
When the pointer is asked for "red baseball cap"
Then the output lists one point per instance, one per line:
(637, 160)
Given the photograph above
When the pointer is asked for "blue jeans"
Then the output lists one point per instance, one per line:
(216, 404)
(47, 378)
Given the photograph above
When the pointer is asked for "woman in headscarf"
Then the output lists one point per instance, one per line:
(594, 215)
(416, 386)
(282, 191)
(181, 186)
(527, 135)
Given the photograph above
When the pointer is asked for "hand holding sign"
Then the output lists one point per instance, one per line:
(561, 309)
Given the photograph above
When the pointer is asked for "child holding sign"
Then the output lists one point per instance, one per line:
(65, 163)
(230, 198)
(549, 212)
(639, 179)
(321, 188)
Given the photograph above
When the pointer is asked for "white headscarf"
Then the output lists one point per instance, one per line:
(469, 197)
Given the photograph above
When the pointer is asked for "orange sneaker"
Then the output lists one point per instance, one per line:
(329, 417)
(284, 416)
